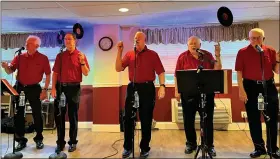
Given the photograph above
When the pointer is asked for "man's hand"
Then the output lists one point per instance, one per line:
(243, 96)
(82, 58)
(43, 95)
(4, 64)
(53, 92)
(161, 92)
(120, 47)
(177, 96)
(217, 50)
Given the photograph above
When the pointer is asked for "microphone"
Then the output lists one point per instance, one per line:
(135, 42)
(22, 48)
(199, 51)
(260, 50)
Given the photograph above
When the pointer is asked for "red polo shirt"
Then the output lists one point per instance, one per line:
(248, 62)
(187, 61)
(147, 64)
(31, 67)
(71, 66)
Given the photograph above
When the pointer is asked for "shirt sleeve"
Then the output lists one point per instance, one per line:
(158, 65)
(125, 60)
(14, 64)
(239, 64)
(47, 67)
(56, 66)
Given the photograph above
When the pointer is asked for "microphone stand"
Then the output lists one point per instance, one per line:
(134, 102)
(59, 154)
(203, 147)
(266, 117)
(15, 155)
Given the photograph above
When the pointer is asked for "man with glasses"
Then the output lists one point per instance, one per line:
(250, 81)
(68, 69)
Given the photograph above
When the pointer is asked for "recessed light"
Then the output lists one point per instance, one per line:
(123, 10)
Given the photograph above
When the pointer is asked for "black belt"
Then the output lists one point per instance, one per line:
(28, 85)
(147, 82)
(70, 83)
(270, 81)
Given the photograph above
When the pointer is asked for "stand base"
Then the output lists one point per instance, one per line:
(60, 155)
(204, 149)
(207, 157)
(15, 155)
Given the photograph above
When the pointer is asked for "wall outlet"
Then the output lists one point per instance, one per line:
(243, 114)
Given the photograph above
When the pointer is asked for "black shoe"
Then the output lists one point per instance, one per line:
(72, 148)
(59, 148)
(212, 151)
(257, 153)
(275, 154)
(39, 144)
(144, 154)
(126, 153)
(20, 146)
(190, 148)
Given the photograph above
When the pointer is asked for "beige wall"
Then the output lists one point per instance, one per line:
(271, 33)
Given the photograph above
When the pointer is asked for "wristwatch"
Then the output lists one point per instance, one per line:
(162, 85)
(45, 89)
(277, 61)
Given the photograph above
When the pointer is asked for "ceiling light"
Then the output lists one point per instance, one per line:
(123, 10)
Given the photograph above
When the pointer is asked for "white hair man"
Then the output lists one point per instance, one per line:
(191, 59)
(31, 67)
(255, 65)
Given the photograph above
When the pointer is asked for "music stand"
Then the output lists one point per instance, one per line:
(197, 82)
(7, 89)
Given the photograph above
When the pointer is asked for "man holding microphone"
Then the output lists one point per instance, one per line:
(142, 64)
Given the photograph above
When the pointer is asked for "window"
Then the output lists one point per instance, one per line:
(170, 53)
(9, 54)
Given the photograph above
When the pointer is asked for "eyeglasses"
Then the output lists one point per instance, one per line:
(255, 38)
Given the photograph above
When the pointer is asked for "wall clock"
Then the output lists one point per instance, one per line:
(105, 43)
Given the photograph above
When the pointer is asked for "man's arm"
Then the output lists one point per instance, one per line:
(85, 70)
(47, 82)
(218, 64)
(54, 80)
(161, 78)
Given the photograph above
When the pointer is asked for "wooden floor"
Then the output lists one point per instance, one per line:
(164, 144)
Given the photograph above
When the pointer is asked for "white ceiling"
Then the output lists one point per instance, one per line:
(140, 13)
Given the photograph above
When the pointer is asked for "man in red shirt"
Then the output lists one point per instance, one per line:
(250, 81)
(142, 65)
(30, 66)
(190, 104)
(68, 69)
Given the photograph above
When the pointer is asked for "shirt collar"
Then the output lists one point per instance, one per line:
(74, 52)
(29, 55)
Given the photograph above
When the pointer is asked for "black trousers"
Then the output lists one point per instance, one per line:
(32, 94)
(146, 93)
(72, 93)
(191, 104)
(252, 90)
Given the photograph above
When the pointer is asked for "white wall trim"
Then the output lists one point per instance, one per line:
(96, 85)
(105, 127)
(238, 126)
(81, 124)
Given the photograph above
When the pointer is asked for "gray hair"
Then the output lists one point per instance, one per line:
(37, 39)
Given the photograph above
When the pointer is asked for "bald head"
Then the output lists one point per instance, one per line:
(193, 44)
(140, 39)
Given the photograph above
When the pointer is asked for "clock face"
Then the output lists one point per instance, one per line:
(105, 43)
